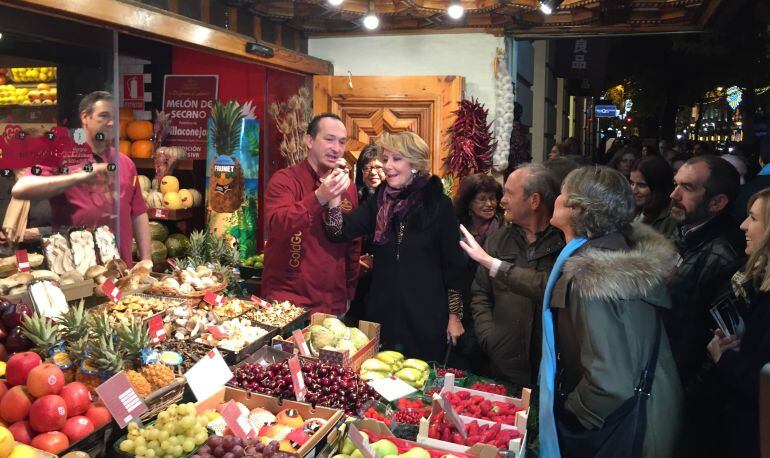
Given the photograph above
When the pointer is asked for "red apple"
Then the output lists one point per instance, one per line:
(77, 428)
(48, 413)
(19, 366)
(51, 442)
(3, 389)
(45, 379)
(15, 404)
(22, 432)
(77, 396)
(99, 415)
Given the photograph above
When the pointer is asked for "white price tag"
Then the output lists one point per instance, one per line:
(208, 375)
(392, 388)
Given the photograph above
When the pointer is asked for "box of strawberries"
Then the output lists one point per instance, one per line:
(488, 420)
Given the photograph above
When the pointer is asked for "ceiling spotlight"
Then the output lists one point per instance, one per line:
(547, 6)
(455, 10)
(335, 2)
(371, 21)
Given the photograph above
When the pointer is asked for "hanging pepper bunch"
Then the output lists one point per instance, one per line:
(470, 143)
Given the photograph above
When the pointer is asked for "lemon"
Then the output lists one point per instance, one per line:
(2, 368)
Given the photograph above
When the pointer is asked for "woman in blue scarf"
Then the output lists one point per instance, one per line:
(601, 327)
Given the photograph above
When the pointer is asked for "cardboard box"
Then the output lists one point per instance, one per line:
(275, 405)
(339, 358)
(516, 448)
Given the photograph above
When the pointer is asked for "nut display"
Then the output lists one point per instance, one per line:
(232, 308)
(279, 314)
(138, 307)
(239, 333)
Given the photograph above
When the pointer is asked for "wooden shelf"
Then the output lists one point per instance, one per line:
(142, 163)
(164, 214)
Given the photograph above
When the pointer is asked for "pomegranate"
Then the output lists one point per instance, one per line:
(77, 397)
(77, 428)
(99, 415)
(48, 413)
(19, 367)
(15, 404)
(51, 442)
(45, 379)
(22, 432)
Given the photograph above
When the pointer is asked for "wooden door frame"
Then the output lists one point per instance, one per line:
(444, 92)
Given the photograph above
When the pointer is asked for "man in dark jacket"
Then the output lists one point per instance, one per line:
(710, 247)
(507, 324)
(756, 184)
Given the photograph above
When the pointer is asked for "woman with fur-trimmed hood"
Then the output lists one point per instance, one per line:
(600, 321)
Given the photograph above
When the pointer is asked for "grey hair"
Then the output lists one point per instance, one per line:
(602, 199)
(541, 180)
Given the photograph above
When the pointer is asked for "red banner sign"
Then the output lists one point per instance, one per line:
(213, 299)
(111, 290)
(298, 380)
(22, 260)
(299, 338)
(237, 421)
(188, 100)
(155, 325)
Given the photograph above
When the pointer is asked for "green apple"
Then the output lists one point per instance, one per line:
(415, 452)
(341, 456)
(357, 454)
(384, 447)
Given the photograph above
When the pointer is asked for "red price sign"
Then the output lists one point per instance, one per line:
(160, 213)
(22, 260)
(111, 290)
(299, 338)
(213, 299)
(172, 264)
(219, 332)
(120, 399)
(155, 325)
(452, 415)
(262, 303)
(298, 380)
(237, 421)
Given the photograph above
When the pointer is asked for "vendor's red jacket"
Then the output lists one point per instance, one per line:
(301, 265)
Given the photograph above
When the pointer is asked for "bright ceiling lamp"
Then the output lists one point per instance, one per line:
(455, 10)
(371, 21)
(547, 6)
(335, 2)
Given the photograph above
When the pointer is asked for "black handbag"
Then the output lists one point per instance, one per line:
(623, 431)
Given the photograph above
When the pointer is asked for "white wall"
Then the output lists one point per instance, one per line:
(469, 55)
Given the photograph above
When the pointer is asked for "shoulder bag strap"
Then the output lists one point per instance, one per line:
(644, 387)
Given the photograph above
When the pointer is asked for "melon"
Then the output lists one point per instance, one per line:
(158, 231)
(177, 245)
(144, 183)
(155, 199)
(169, 183)
(186, 197)
(197, 197)
(172, 201)
(159, 252)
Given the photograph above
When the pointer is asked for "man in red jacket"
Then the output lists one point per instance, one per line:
(301, 264)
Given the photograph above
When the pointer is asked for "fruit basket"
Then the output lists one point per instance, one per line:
(164, 397)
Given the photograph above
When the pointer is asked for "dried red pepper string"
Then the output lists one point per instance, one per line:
(471, 144)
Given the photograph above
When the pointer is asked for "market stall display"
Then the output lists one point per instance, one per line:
(237, 338)
(392, 363)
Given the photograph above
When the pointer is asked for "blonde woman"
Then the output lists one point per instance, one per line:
(729, 398)
(419, 268)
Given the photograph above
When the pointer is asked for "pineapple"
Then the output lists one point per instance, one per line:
(100, 324)
(43, 333)
(134, 336)
(226, 188)
(103, 358)
(73, 323)
(199, 247)
(158, 374)
(140, 384)
(78, 351)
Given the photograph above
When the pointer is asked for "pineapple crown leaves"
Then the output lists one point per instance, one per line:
(42, 332)
(100, 324)
(134, 337)
(73, 322)
(226, 131)
(107, 357)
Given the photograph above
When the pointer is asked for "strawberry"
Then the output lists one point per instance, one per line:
(457, 438)
(472, 440)
(446, 435)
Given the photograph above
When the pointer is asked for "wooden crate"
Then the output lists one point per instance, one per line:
(339, 358)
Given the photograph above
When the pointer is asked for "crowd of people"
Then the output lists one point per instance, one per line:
(599, 285)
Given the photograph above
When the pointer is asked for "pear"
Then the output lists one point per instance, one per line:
(357, 454)
(415, 452)
(341, 456)
(384, 447)
(348, 447)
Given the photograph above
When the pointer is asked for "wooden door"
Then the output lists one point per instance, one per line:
(371, 105)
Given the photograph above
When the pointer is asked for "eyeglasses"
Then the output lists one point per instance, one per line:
(369, 169)
(483, 200)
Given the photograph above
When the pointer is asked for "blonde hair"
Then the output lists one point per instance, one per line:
(757, 266)
(408, 144)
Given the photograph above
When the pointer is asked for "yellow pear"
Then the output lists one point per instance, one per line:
(186, 197)
(169, 184)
